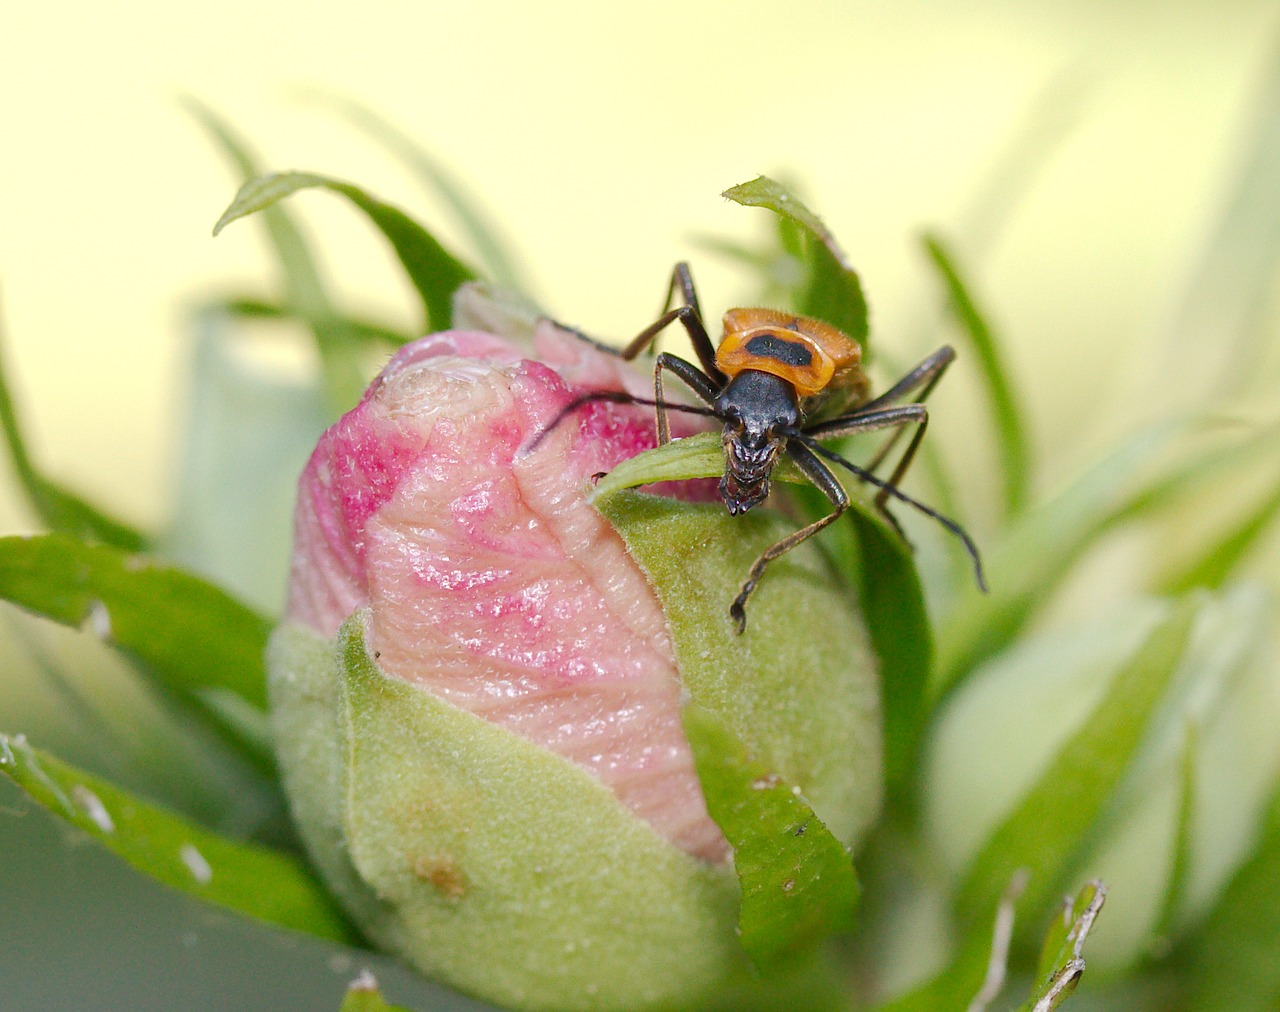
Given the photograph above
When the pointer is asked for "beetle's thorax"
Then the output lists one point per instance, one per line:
(757, 408)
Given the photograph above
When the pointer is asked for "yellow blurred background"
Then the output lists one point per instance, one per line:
(600, 136)
(1080, 154)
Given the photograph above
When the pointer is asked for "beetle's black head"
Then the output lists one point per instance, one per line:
(756, 408)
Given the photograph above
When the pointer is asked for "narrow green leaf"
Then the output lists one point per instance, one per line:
(433, 271)
(892, 600)
(305, 289)
(963, 978)
(1233, 960)
(798, 883)
(1062, 958)
(1175, 892)
(369, 331)
(193, 639)
(363, 995)
(1215, 564)
(1010, 427)
(61, 509)
(834, 292)
(250, 879)
(1045, 830)
(1206, 467)
(480, 231)
(1039, 550)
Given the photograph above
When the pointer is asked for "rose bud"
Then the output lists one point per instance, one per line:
(478, 684)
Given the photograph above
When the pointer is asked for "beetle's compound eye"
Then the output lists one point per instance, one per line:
(728, 411)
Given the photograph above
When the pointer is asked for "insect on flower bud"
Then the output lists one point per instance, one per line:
(477, 689)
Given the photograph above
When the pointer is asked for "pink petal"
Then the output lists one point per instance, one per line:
(493, 582)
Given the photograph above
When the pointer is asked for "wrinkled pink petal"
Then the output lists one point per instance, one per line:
(492, 581)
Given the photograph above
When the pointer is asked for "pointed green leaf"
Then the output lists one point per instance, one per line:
(696, 456)
(61, 509)
(193, 639)
(1010, 427)
(834, 292)
(1044, 832)
(476, 226)
(433, 271)
(305, 289)
(1062, 958)
(250, 879)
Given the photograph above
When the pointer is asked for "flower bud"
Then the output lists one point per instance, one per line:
(477, 689)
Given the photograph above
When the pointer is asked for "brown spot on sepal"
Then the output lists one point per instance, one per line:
(443, 874)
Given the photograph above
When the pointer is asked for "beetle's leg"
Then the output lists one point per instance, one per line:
(697, 381)
(862, 474)
(818, 473)
(924, 377)
(690, 317)
(864, 420)
(611, 397)
(682, 278)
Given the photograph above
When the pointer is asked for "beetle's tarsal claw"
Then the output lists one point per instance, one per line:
(739, 616)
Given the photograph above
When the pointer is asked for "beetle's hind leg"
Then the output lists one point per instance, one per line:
(689, 315)
(923, 378)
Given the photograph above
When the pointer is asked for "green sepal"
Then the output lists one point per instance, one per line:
(489, 862)
(798, 883)
(783, 719)
(875, 560)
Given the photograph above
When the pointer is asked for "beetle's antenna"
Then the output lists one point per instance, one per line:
(862, 474)
(615, 397)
